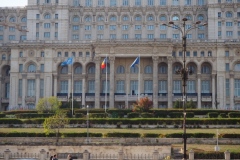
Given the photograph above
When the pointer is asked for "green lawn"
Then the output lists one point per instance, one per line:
(133, 130)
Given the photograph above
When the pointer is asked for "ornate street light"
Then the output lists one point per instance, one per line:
(184, 72)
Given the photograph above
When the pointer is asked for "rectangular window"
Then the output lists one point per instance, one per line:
(59, 54)
(175, 36)
(47, 25)
(125, 2)
(91, 86)
(23, 37)
(1, 28)
(78, 86)
(20, 68)
(75, 27)
(138, 2)
(187, 54)
(113, 36)
(56, 34)
(20, 88)
(120, 86)
(46, 34)
(56, 25)
(238, 33)
(7, 90)
(1, 37)
(163, 36)
(11, 29)
(205, 86)
(191, 87)
(162, 86)
(219, 33)
(174, 54)
(63, 86)
(226, 53)
(189, 36)
(124, 27)
(219, 24)
(138, 36)
(138, 27)
(42, 68)
(229, 24)
(37, 25)
(201, 36)
(100, 3)
(229, 33)
(237, 87)
(113, 3)
(88, 3)
(80, 54)
(88, 28)
(112, 27)
(194, 53)
(75, 37)
(134, 87)
(20, 54)
(163, 27)
(150, 27)
(200, 2)
(75, 3)
(31, 87)
(188, 2)
(163, 2)
(238, 24)
(42, 54)
(177, 86)
(104, 89)
(100, 36)
(41, 88)
(87, 54)
(56, 16)
(125, 36)
(148, 86)
(150, 36)
(180, 54)
(37, 16)
(11, 37)
(219, 14)
(100, 27)
(88, 36)
(227, 67)
(227, 88)
(66, 54)
(73, 54)
(150, 2)
(202, 54)
(175, 2)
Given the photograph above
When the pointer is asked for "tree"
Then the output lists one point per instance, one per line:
(50, 104)
(179, 104)
(142, 105)
(54, 123)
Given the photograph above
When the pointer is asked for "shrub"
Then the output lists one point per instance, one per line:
(79, 115)
(209, 155)
(226, 135)
(123, 135)
(97, 115)
(190, 115)
(133, 115)
(212, 115)
(2, 115)
(150, 135)
(176, 115)
(146, 115)
(223, 115)
(234, 115)
(33, 115)
(190, 135)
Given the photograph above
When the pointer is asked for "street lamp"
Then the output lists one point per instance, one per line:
(184, 72)
(87, 126)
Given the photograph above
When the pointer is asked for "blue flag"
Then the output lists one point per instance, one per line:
(69, 61)
(136, 61)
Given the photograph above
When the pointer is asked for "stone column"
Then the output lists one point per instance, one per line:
(232, 91)
(120, 155)
(24, 88)
(170, 97)
(155, 155)
(84, 90)
(227, 155)
(1, 90)
(191, 155)
(127, 87)
(43, 154)
(85, 155)
(7, 153)
(155, 81)
(55, 89)
(97, 82)
(199, 90)
(112, 82)
(213, 91)
(37, 77)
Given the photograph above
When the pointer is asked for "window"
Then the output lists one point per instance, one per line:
(163, 18)
(37, 25)
(150, 27)
(120, 86)
(187, 54)
(150, 2)
(73, 54)
(100, 36)
(134, 86)
(148, 70)
(176, 86)
(125, 18)
(148, 86)
(163, 2)
(138, 18)
(37, 34)
(91, 86)
(238, 14)
(150, 36)
(101, 3)
(162, 86)
(205, 86)
(205, 69)
(12, 19)
(100, 18)
(174, 54)
(229, 33)
(209, 53)
(47, 16)
(88, 28)
(80, 54)
(219, 23)
(88, 36)
(42, 54)
(11, 37)
(237, 87)
(191, 86)
(75, 27)
(20, 68)
(125, 36)
(46, 34)
(138, 36)
(200, 2)
(66, 54)
(229, 14)
(194, 53)
(75, 19)
(41, 88)
(47, 25)
(120, 70)
(219, 14)
(31, 88)
(175, 18)
(188, 2)
(227, 88)
(125, 2)
(63, 86)
(88, 55)
(113, 18)
(7, 90)
(219, 33)
(227, 67)
(88, 3)
(91, 70)
(176, 36)
(200, 18)
(100, 27)
(75, 36)
(113, 36)
(229, 24)
(21, 54)
(47, 1)
(202, 54)
(1, 28)
(76, 3)
(163, 36)
(105, 86)
(201, 27)
(189, 36)
(134, 70)
(237, 67)
(112, 27)
(175, 2)
(124, 27)
(201, 35)
(163, 27)
(20, 88)
(138, 2)
(180, 54)
(78, 86)
(56, 25)
(64, 70)
(189, 17)
(31, 68)
(56, 16)
(88, 19)
(59, 54)
(24, 19)
(113, 2)
(138, 27)
(11, 29)
(37, 16)
(226, 53)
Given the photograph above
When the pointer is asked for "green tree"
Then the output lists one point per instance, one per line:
(142, 105)
(178, 104)
(48, 104)
(190, 104)
(54, 123)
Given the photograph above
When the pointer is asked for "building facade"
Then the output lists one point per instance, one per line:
(37, 38)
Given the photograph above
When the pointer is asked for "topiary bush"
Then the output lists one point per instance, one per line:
(234, 115)
(146, 115)
(133, 115)
(212, 115)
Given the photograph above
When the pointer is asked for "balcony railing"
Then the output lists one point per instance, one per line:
(206, 97)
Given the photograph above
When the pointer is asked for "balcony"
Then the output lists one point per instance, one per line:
(77, 96)
(62, 97)
(120, 97)
(5, 100)
(192, 96)
(90, 97)
(206, 97)
(103, 95)
(177, 96)
(30, 99)
(162, 97)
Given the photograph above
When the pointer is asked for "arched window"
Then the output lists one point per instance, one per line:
(138, 18)
(191, 68)
(91, 70)
(100, 18)
(206, 69)
(75, 19)
(148, 70)
(8, 72)
(78, 70)
(163, 18)
(229, 14)
(88, 19)
(107, 68)
(120, 70)
(12, 19)
(47, 16)
(24, 19)
(200, 17)
(189, 17)
(176, 68)
(162, 69)
(125, 18)
(113, 18)
(175, 18)
(150, 18)
(134, 70)
(31, 68)
(64, 70)
(4, 57)
(237, 67)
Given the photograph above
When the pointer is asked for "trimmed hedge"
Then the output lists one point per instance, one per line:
(234, 115)
(147, 115)
(2, 115)
(209, 155)
(33, 115)
(123, 135)
(32, 134)
(151, 135)
(133, 115)
(212, 114)
(97, 115)
(226, 135)
(190, 135)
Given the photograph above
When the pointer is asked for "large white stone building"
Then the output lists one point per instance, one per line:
(37, 38)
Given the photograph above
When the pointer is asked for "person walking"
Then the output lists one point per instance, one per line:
(69, 157)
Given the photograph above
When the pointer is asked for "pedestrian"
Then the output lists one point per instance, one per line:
(51, 157)
(69, 157)
(55, 157)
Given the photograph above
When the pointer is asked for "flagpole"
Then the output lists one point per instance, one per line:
(106, 86)
(72, 89)
(139, 77)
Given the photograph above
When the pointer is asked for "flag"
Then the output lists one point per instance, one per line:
(69, 61)
(136, 61)
(104, 63)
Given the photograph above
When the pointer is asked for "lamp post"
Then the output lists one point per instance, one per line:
(184, 72)
(87, 126)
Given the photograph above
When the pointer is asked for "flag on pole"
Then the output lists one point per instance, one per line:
(69, 61)
(136, 61)
(104, 63)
